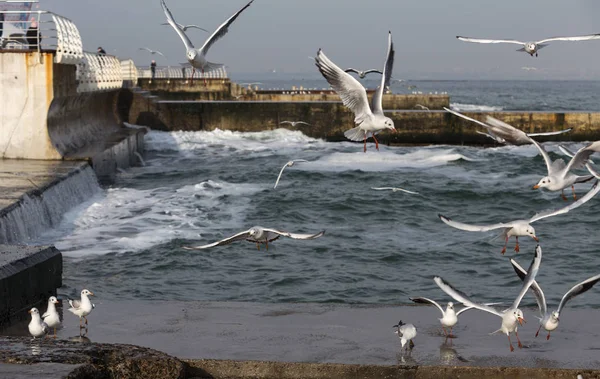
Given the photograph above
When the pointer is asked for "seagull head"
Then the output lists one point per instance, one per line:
(254, 231)
(531, 233)
(555, 317)
(450, 305)
(33, 311)
(53, 300)
(389, 124)
(191, 54)
(519, 316)
(531, 46)
(86, 293)
(543, 183)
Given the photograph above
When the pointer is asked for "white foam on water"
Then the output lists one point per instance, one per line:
(383, 160)
(474, 107)
(127, 219)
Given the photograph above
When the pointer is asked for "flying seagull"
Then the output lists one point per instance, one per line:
(362, 74)
(258, 235)
(511, 317)
(569, 153)
(186, 27)
(294, 123)
(530, 48)
(549, 320)
(152, 51)
(504, 133)
(520, 228)
(370, 120)
(393, 189)
(197, 57)
(289, 164)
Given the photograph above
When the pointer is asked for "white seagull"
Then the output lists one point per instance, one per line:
(186, 27)
(449, 315)
(152, 51)
(549, 320)
(532, 47)
(520, 228)
(51, 317)
(406, 333)
(37, 328)
(504, 133)
(362, 74)
(197, 57)
(289, 164)
(82, 307)
(559, 174)
(294, 123)
(369, 120)
(258, 235)
(511, 317)
(393, 189)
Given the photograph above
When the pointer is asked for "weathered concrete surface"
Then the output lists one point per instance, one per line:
(98, 361)
(40, 370)
(29, 275)
(327, 333)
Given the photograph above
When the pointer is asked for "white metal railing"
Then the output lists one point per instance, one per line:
(183, 72)
(98, 73)
(129, 72)
(41, 31)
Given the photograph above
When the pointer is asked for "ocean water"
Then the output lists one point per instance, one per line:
(379, 247)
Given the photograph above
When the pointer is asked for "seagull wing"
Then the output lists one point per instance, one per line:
(75, 304)
(582, 200)
(472, 228)
(352, 93)
(578, 289)
(549, 133)
(581, 158)
(566, 151)
(382, 188)
(352, 70)
(221, 30)
(385, 79)
(545, 155)
(482, 40)
(372, 70)
(467, 117)
(507, 132)
(463, 298)
(302, 123)
(592, 171)
(422, 300)
(196, 27)
(145, 48)
(159, 53)
(186, 41)
(535, 288)
(237, 237)
(296, 236)
(530, 277)
(576, 38)
(286, 122)
(46, 314)
(281, 172)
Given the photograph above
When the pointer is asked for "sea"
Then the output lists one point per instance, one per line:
(380, 247)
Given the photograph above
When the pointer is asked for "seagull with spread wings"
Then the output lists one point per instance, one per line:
(532, 47)
(511, 317)
(294, 123)
(362, 74)
(197, 57)
(369, 120)
(151, 51)
(520, 228)
(504, 133)
(186, 27)
(549, 320)
(258, 235)
(289, 164)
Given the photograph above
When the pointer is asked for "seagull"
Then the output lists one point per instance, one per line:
(37, 328)
(51, 317)
(559, 175)
(82, 307)
(421, 107)
(362, 74)
(369, 120)
(186, 27)
(197, 57)
(530, 48)
(289, 164)
(511, 317)
(294, 123)
(549, 320)
(569, 153)
(393, 189)
(152, 51)
(504, 133)
(520, 228)
(250, 84)
(449, 316)
(406, 333)
(258, 235)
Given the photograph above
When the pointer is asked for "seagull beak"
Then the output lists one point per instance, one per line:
(521, 320)
(536, 239)
(29, 311)
(91, 293)
(536, 187)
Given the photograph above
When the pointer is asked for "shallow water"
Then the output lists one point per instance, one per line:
(379, 246)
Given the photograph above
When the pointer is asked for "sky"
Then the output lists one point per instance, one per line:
(281, 34)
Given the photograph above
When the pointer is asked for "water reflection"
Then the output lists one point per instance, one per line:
(448, 354)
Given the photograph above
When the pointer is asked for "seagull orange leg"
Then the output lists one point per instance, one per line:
(517, 245)
(519, 341)
(538, 332)
(562, 194)
(204, 77)
(192, 78)
(574, 195)
(510, 343)
(376, 142)
(504, 248)
(444, 329)
(548, 337)
(267, 243)
(365, 141)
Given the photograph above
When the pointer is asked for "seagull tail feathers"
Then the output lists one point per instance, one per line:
(210, 66)
(355, 134)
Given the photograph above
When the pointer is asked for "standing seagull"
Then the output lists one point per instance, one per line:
(520, 228)
(186, 27)
(369, 120)
(289, 164)
(362, 74)
(511, 317)
(549, 320)
(51, 317)
(560, 175)
(406, 333)
(530, 48)
(197, 57)
(82, 307)
(504, 133)
(152, 51)
(37, 328)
